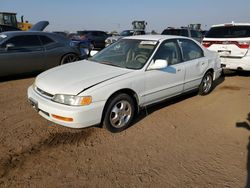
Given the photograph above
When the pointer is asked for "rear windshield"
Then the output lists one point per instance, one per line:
(127, 33)
(229, 32)
(179, 32)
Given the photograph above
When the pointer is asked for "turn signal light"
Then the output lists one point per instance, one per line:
(86, 100)
(68, 119)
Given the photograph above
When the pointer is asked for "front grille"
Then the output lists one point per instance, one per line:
(43, 93)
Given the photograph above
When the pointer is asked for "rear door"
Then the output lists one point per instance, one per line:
(195, 63)
(26, 55)
(228, 41)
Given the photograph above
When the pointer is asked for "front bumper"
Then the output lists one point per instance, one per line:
(83, 116)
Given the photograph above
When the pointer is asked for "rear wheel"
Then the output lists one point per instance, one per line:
(206, 84)
(119, 113)
(68, 58)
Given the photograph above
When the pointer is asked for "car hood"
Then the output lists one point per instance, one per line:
(39, 26)
(75, 77)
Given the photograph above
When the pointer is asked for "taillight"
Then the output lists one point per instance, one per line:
(209, 43)
(206, 44)
(244, 45)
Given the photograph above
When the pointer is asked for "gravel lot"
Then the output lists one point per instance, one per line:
(190, 141)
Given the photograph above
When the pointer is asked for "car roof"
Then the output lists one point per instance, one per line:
(55, 36)
(154, 37)
(231, 24)
(13, 33)
(19, 33)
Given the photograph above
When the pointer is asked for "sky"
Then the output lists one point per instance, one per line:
(110, 15)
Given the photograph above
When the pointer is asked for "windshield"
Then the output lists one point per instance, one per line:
(126, 53)
(229, 32)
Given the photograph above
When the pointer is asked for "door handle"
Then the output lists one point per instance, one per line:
(178, 70)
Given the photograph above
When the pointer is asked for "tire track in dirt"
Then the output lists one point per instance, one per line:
(16, 160)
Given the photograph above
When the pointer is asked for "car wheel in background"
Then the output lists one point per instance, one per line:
(119, 113)
(68, 58)
(206, 85)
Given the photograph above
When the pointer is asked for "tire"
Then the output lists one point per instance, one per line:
(206, 84)
(119, 113)
(68, 58)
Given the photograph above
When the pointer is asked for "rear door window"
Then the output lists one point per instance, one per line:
(46, 40)
(190, 50)
(229, 32)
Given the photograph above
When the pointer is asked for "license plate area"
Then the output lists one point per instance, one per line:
(34, 104)
(224, 52)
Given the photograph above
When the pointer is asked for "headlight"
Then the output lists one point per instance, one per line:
(72, 100)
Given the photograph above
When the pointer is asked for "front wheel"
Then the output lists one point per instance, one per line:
(68, 58)
(119, 113)
(206, 84)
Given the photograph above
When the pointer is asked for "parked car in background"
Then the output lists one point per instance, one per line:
(83, 43)
(97, 38)
(130, 74)
(62, 33)
(4, 28)
(232, 42)
(124, 33)
(183, 31)
(31, 51)
(204, 32)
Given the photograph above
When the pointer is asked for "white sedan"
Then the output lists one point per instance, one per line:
(111, 87)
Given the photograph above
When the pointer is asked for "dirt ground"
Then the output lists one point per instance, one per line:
(190, 141)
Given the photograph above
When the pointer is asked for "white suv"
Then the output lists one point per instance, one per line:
(232, 42)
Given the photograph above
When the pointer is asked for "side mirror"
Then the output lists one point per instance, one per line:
(158, 64)
(93, 52)
(9, 46)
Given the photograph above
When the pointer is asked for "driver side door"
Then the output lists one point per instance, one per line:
(25, 55)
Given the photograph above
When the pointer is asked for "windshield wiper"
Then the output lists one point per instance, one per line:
(109, 63)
